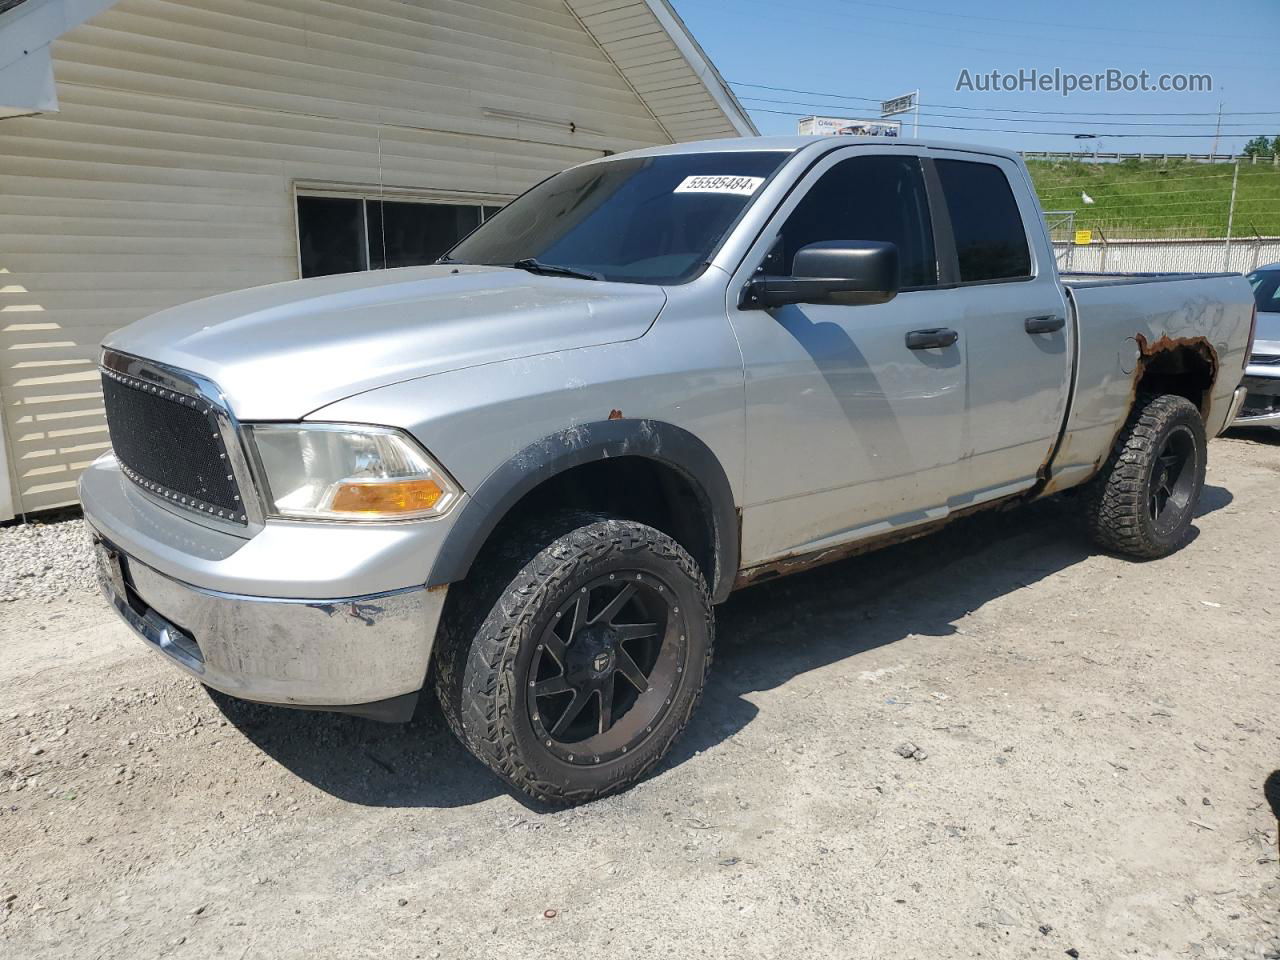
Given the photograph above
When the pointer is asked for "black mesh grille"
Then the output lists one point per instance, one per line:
(169, 441)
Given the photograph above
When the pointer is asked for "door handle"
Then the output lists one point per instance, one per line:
(937, 337)
(1048, 324)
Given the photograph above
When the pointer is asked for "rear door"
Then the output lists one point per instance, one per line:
(1014, 315)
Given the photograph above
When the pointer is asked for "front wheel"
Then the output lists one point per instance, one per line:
(587, 666)
(1143, 501)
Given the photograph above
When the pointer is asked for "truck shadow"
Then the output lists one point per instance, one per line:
(1265, 436)
(766, 635)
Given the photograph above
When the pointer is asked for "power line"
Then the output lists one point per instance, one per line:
(1041, 133)
(917, 40)
(1094, 40)
(1033, 23)
(961, 116)
(957, 106)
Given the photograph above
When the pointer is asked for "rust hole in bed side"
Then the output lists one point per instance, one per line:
(1186, 366)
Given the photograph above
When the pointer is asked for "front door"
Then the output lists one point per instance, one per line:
(849, 432)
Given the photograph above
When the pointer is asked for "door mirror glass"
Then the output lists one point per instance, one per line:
(830, 271)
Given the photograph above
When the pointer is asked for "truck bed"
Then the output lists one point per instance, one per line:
(1123, 322)
(1126, 279)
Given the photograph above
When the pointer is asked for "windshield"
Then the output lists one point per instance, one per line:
(642, 219)
(1266, 290)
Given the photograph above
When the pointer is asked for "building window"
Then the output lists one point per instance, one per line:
(346, 234)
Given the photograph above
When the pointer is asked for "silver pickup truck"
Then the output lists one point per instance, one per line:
(525, 474)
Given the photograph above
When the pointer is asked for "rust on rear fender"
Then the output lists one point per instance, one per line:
(1150, 351)
(1151, 354)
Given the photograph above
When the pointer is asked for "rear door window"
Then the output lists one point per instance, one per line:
(991, 243)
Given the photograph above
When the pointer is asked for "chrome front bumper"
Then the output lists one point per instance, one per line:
(365, 655)
(323, 616)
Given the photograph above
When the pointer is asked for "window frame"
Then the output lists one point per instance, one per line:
(788, 155)
(372, 192)
(819, 167)
(943, 235)
(941, 212)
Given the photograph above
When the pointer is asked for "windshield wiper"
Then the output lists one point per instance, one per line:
(533, 265)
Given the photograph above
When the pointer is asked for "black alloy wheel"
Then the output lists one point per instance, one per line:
(1173, 479)
(1141, 503)
(582, 658)
(604, 668)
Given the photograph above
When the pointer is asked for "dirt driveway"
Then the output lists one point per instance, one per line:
(1096, 737)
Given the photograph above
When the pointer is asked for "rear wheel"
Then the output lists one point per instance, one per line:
(1143, 501)
(588, 664)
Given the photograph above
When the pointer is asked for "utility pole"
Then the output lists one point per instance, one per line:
(1231, 215)
(1216, 131)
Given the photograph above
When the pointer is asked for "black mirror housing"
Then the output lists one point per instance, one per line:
(832, 271)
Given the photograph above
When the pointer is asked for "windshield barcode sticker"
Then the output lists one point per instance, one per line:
(742, 186)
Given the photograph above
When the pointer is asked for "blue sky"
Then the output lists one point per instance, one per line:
(860, 48)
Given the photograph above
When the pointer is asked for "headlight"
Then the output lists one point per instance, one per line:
(339, 471)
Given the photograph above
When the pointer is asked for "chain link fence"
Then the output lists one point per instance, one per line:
(1167, 255)
(1147, 213)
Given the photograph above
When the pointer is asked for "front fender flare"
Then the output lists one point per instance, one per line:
(539, 461)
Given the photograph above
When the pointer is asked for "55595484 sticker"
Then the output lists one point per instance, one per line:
(707, 183)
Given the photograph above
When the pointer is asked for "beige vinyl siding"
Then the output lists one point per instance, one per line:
(184, 128)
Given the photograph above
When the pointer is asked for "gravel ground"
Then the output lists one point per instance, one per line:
(46, 561)
(992, 742)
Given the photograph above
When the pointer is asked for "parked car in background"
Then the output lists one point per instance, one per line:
(1262, 376)
(526, 474)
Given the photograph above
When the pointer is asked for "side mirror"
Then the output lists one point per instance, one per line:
(832, 271)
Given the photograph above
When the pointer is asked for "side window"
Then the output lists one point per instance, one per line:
(991, 243)
(865, 198)
(331, 235)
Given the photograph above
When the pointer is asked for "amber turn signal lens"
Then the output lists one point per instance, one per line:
(387, 498)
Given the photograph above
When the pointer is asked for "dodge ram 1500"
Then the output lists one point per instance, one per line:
(525, 475)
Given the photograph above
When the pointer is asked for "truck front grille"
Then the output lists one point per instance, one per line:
(171, 444)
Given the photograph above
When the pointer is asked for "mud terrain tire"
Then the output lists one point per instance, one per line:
(1143, 501)
(539, 633)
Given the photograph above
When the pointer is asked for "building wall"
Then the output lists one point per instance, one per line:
(185, 128)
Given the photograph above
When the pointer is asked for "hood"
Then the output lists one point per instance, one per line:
(281, 351)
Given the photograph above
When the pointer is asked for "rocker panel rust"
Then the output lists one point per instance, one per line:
(1149, 352)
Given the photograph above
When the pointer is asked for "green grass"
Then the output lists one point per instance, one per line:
(1154, 198)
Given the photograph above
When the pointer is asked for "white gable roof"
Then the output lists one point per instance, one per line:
(658, 56)
(26, 30)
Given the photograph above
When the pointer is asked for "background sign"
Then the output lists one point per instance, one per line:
(903, 104)
(848, 127)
